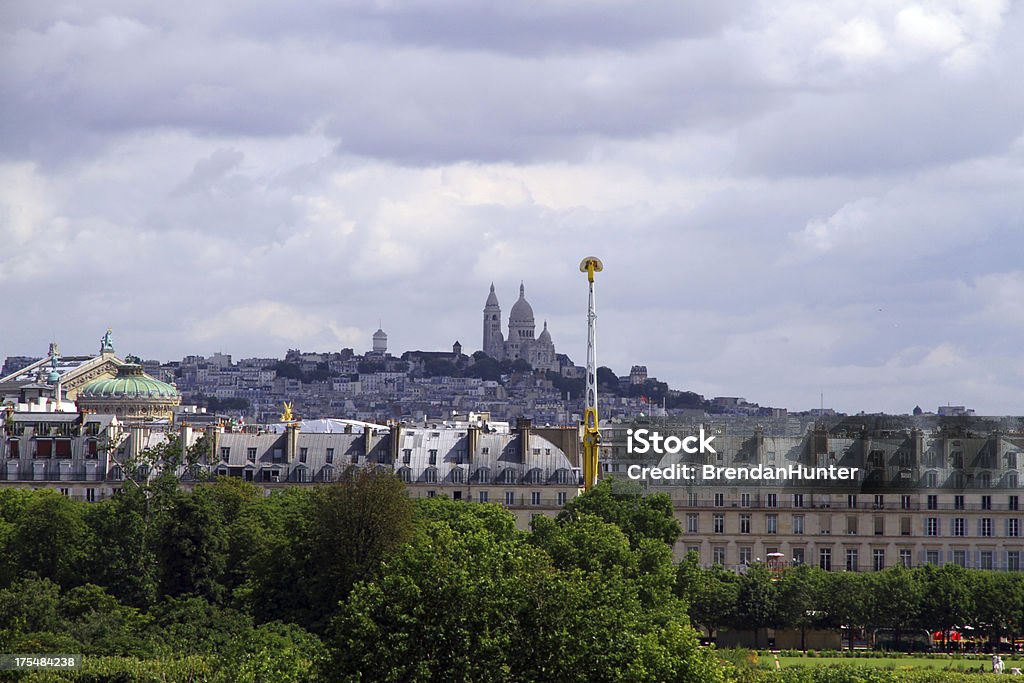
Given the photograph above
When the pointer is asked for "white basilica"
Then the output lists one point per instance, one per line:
(539, 352)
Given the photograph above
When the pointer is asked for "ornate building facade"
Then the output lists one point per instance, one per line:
(521, 343)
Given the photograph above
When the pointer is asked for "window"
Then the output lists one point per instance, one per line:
(932, 526)
(458, 475)
(510, 498)
(90, 495)
(879, 526)
(483, 496)
(1011, 460)
(851, 501)
(250, 454)
(303, 454)
(432, 456)
(225, 453)
(744, 524)
(960, 557)
(431, 494)
(798, 556)
(330, 456)
(692, 522)
(64, 492)
(958, 526)
(719, 500)
(985, 559)
(485, 450)
(798, 500)
(561, 497)
(931, 557)
(904, 502)
(406, 456)
(745, 500)
(798, 524)
(1011, 480)
(536, 451)
(691, 499)
(1013, 560)
(772, 500)
(851, 525)
(1013, 503)
(430, 475)
(771, 456)
(825, 559)
(695, 549)
(355, 457)
(773, 524)
(534, 497)
(905, 558)
(851, 559)
(878, 559)
(718, 520)
(958, 502)
(825, 524)
(745, 554)
(985, 526)
(718, 554)
(932, 479)
(905, 526)
(879, 502)
(933, 502)
(1012, 527)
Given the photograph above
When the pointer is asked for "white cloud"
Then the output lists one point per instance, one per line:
(789, 197)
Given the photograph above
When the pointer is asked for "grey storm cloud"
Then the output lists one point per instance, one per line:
(790, 197)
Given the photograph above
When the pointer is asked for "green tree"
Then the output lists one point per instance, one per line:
(102, 624)
(946, 598)
(637, 515)
(714, 599)
(191, 547)
(894, 600)
(122, 557)
(756, 600)
(798, 598)
(843, 599)
(51, 539)
(272, 653)
(519, 616)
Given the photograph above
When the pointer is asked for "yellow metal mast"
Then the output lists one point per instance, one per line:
(591, 435)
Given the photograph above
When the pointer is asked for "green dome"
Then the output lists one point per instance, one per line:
(131, 382)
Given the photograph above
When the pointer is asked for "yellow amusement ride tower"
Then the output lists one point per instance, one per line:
(591, 435)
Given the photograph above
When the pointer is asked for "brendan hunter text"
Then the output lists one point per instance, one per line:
(755, 473)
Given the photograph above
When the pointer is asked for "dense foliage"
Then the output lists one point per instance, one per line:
(930, 598)
(349, 581)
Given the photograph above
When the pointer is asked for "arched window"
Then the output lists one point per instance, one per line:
(931, 479)
(430, 475)
(457, 475)
(405, 474)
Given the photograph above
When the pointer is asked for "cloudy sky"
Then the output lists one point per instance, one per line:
(790, 198)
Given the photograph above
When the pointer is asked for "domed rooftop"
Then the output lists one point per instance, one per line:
(545, 336)
(522, 311)
(131, 382)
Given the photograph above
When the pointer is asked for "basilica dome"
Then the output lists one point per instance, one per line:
(522, 311)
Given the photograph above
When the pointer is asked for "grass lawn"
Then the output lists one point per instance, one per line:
(893, 663)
